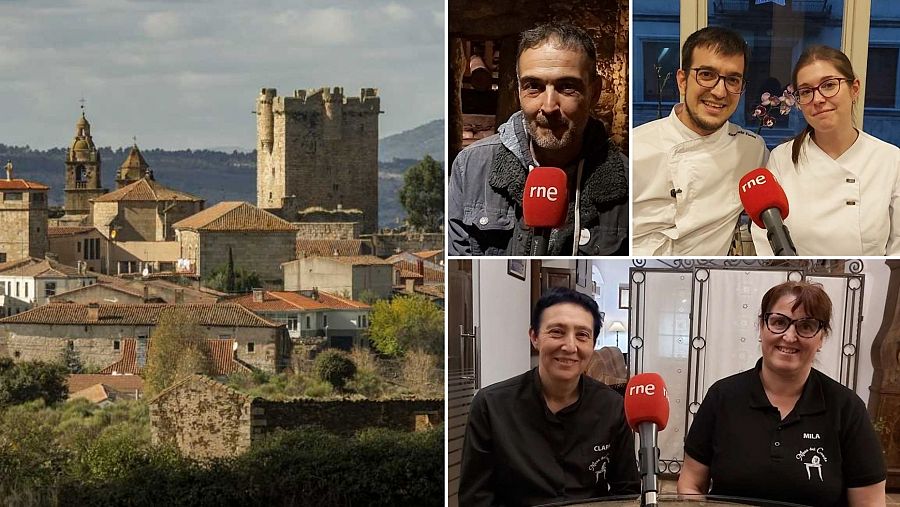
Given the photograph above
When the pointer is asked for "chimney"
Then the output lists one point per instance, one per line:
(146, 293)
(82, 267)
(8, 170)
(315, 293)
(93, 312)
(409, 284)
(257, 295)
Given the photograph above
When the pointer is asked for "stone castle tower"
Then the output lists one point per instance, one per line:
(133, 168)
(23, 218)
(82, 171)
(318, 149)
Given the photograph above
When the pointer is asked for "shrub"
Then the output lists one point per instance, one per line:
(31, 380)
(335, 367)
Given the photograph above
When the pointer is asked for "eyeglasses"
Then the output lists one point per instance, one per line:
(828, 88)
(710, 79)
(805, 328)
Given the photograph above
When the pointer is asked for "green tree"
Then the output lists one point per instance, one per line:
(229, 273)
(422, 195)
(31, 380)
(71, 360)
(335, 367)
(407, 323)
(244, 281)
(178, 348)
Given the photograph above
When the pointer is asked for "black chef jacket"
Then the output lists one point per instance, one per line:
(517, 452)
(824, 446)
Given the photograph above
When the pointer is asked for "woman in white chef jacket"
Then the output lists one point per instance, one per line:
(842, 185)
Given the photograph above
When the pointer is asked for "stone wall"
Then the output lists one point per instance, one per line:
(69, 249)
(23, 226)
(321, 148)
(103, 213)
(262, 252)
(204, 418)
(328, 230)
(338, 278)
(95, 343)
(387, 244)
(166, 216)
(137, 221)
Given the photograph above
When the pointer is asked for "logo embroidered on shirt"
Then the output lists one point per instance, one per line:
(599, 465)
(813, 459)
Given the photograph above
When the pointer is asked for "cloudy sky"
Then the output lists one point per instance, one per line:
(185, 73)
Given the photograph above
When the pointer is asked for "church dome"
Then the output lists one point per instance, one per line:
(82, 122)
(81, 144)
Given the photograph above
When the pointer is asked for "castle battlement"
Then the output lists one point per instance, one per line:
(318, 147)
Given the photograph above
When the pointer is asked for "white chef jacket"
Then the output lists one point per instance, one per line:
(844, 206)
(703, 174)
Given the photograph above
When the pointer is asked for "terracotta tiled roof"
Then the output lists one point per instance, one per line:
(68, 231)
(274, 301)
(408, 269)
(127, 364)
(38, 268)
(63, 296)
(96, 393)
(435, 291)
(331, 247)
(219, 314)
(146, 189)
(121, 383)
(234, 216)
(355, 260)
(427, 254)
(20, 184)
(222, 357)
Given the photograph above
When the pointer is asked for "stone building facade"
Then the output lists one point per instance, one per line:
(77, 245)
(83, 163)
(318, 148)
(354, 276)
(97, 332)
(23, 218)
(143, 211)
(206, 419)
(259, 241)
(133, 168)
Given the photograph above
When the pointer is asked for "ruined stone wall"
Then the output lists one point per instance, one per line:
(202, 419)
(388, 244)
(328, 230)
(321, 148)
(262, 252)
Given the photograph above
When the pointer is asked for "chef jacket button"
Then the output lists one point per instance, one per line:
(851, 203)
(851, 180)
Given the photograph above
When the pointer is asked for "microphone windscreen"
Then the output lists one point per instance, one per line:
(546, 200)
(760, 191)
(646, 401)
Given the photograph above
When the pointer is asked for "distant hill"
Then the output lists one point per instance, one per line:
(414, 144)
(212, 175)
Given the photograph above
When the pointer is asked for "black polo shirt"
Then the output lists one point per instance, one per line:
(517, 452)
(824, 446)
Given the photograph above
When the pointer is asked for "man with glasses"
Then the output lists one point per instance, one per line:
(687, 166)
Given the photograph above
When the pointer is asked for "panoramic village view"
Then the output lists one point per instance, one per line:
(160, 346)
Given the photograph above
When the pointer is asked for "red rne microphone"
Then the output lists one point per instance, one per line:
(646, 401)
(546, 200)
(767, 205)
(647, 412)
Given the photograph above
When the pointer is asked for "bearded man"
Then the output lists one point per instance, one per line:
(558, 84)
(687, 166)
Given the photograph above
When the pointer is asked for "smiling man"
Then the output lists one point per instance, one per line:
(687, 165)
(558, 84)
(551, 434)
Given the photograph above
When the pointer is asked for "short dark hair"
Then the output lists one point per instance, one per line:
(721, 40)
(558, 295)
(564, 35)
(811, 296)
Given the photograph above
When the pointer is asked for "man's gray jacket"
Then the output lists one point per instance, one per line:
(487, 180)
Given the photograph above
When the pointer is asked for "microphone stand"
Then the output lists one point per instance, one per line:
(777, 233)
(648, 457)
(539, 242)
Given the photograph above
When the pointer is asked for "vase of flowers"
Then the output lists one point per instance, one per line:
(769, 104)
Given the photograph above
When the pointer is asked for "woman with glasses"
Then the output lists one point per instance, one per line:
(843, 185)
(783, 431)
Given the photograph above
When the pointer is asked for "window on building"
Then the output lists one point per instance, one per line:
(660, 65)
(17, 354)
(2, 256)
(250, 347)
(71, 345)
(325, 320)
(308, 326)
(92, 248)
(12, 196)
(882, 92)
(26, 290)
(78, 246)
(292, 323)
(117, 344)
(49, 289)
(17, 289)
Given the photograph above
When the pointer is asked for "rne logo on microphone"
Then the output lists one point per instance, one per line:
(548, 193)
(759, 180)
(647, 389)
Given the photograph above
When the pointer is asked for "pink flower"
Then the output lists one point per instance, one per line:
(765, 98)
